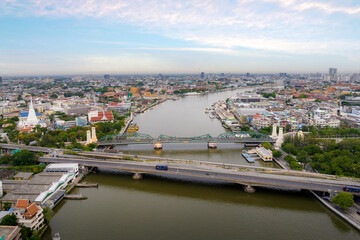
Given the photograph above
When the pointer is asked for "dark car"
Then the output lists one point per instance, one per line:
(161, 167)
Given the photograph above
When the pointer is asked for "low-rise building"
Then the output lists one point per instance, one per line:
(10, 233)
(29, 214)
(95, 116)
(265, 154)
(23, 176)
(63, 168)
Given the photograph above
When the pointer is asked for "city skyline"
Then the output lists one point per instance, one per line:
(48, 37)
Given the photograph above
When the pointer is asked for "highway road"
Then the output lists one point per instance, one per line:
(197, 170)
(245, 178)
(31, 148)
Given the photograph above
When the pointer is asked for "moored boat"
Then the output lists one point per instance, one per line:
(247, 156)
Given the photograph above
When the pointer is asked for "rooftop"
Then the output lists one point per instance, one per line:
(29, 189)
(23, 175)
(9, 232)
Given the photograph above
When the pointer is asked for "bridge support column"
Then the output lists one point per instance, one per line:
(332, 194)
(93, 169)
(158, 145)
(212, 145)
(249, 189)
(137, 176)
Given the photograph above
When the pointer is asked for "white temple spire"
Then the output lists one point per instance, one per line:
(32, 120)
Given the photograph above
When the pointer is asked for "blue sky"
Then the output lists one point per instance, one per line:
(40, 37)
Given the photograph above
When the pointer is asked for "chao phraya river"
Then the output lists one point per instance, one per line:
(161, 208)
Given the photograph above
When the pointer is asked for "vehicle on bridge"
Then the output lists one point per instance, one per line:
(76, 149)
(161, 167)
(351, 189)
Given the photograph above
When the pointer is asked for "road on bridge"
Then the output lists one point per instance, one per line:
(246, 178)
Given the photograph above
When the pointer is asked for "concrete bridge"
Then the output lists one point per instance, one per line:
(247, 176)
(223, 173)
(228, 137)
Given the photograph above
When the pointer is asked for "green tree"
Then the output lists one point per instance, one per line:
(48, 214)
(53, 96)
(245, 128)
(302, 156)
(26, 233)
(267, 145)
(9, 220)
(289, 159)
(288, 127)
(344, 200)
(24, 157)
(277, 154)
(289, 148)
(7, 206)
(295, 165)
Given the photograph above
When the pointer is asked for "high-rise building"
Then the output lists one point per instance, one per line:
(0, 80)
(202, 75)
(332, 72)
(106, 76)
(282, 74)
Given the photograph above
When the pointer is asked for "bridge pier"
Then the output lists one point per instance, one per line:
(212, 145)
(332, 194)
(158, 145)
(91, 169)
(137, 176)
(249, 189)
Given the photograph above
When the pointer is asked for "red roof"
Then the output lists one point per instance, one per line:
(108, 116)
(22, 203)
(31, 211)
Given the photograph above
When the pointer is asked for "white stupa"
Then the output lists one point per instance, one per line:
(32, 120)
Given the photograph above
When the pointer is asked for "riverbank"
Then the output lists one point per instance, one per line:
(224, 210)
(350, 215)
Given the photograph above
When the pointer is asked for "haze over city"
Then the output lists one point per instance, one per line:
(119, 37)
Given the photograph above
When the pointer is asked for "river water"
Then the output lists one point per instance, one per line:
(186, 117)
(161, 208)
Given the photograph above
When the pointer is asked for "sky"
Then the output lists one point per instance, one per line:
(56, 37)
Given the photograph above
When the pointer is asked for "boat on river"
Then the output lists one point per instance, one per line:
(247, 156)
(57, 236)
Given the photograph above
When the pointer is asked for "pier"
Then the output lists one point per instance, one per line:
(75, 197)
(85, 184)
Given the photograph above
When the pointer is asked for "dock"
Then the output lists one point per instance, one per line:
(75, 197)
(86, 184)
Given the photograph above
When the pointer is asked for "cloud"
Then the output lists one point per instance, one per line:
(187, 49)
(322, 6)
(218, 26)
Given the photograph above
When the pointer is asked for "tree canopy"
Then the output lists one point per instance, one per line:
(9, 220)
(23, 157)
(344, 200)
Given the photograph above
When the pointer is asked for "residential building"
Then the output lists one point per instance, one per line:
(29, 214)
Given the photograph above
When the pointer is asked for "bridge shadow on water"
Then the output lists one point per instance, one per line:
(217, 191)
(207, 189)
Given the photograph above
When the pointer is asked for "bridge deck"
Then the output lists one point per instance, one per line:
(230, 175)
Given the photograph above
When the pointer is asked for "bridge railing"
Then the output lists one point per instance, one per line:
(236, 137)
